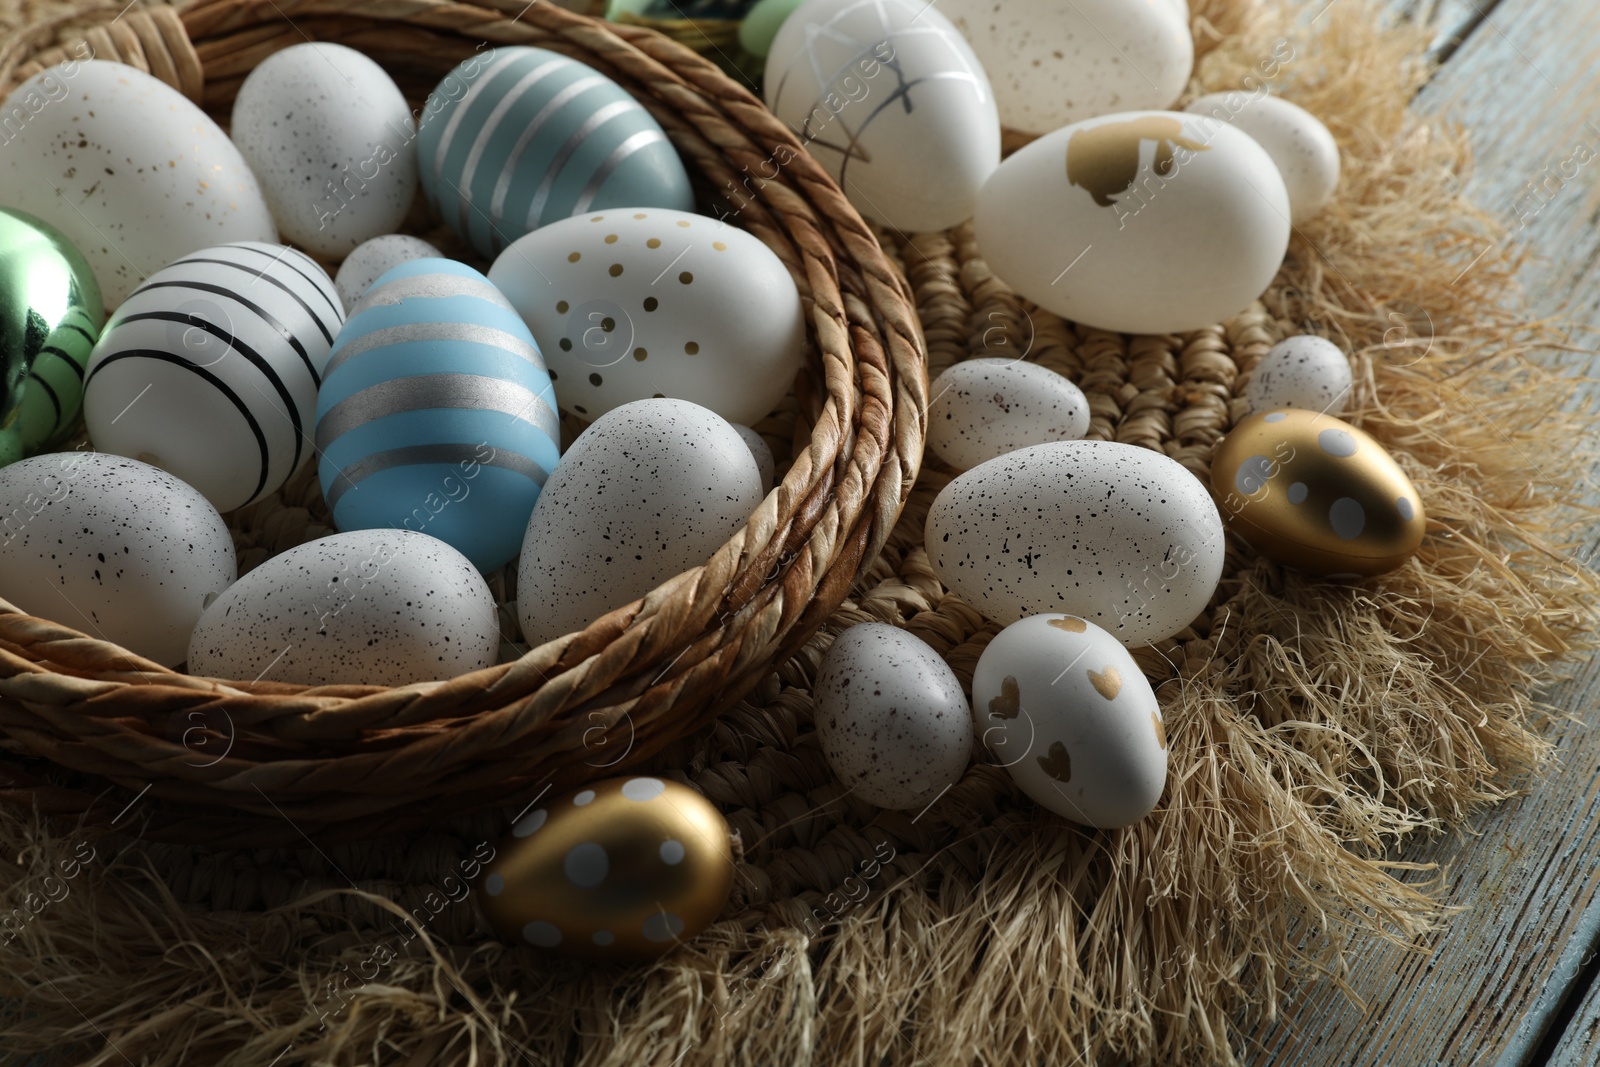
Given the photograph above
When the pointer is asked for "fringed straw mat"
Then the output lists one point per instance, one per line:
(1311, 726)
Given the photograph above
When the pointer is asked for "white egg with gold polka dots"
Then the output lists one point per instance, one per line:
(645, 302)
(1064, 708)
(624, 868)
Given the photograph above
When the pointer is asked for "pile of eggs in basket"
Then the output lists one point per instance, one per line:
(428, 392)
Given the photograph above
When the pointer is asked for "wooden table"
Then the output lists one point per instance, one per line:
(1515, 981)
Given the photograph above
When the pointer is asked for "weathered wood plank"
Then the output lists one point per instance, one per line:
(1453, 20)
(1580, 1043)
(1497, 979)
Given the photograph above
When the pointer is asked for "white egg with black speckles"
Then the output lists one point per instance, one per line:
(332, 140)
(762, 453)
(115, 548)
(983, 408)
(372, 259)
(128, 168)
(649, 490)
(1306, 372)
(368, 607)
(1122, 535)
(891, 717)
(1305, 152)
(1073, 720)
(1054, 63)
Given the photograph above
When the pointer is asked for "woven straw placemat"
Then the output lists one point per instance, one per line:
(1311, 725)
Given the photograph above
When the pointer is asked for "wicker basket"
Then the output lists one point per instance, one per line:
(86, 725)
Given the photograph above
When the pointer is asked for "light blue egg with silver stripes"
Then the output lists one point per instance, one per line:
(515, 138)
(436, 413)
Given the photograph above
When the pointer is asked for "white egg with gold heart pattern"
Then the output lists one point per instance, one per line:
(1066, 710)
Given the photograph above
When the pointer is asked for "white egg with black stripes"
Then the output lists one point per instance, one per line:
(210, 369)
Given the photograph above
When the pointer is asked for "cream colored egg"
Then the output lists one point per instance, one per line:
(1065, 709)
(1144, 222)
(128, 168)
(1053, 62)
(1305, 152)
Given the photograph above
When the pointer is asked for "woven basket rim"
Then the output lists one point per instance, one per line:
(343, 760)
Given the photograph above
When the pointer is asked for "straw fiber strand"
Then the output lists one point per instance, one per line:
(1312, 726)
(349, 761)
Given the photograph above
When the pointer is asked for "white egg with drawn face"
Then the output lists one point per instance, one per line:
(891, 717)
(1305, 152)
(1065, 709)
(890, 99)
(112, 547)
(1146, 222)
(1306, 371)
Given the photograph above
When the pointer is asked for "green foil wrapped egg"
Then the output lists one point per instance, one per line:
(50, 317)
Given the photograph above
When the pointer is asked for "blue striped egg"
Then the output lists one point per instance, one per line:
(436, 414)
(209, 370)
(517, 137)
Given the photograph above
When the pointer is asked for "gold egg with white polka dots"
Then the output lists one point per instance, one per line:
(624, 868)
(1315, 493)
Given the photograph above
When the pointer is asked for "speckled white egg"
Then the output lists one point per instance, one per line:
(372, 259)
(649, 490)
(630, 304)
(1140, 222)
(1305, 152)
(333, 142)
(118, 549)
(891, 717)
(1052, 62)
(762, 453)
(1119, 534)
(983, 408)
(1068, 713)
(128, 168)
(368, 607)
(1306, 371)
